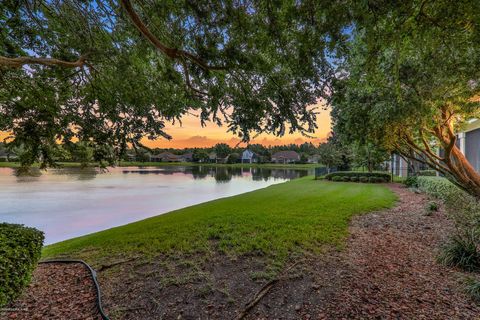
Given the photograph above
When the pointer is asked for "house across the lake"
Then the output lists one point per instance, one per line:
(314, 158)
(165, 157)
(6, 155)
(285, 157)
(187, 157)
(248, 156)
(212, 157)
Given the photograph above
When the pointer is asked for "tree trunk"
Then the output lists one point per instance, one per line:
(464, 172)
(370, 166)
(453, 164)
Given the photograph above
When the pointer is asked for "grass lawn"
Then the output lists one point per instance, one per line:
(9, 164)
(36, 165)
(298, 215)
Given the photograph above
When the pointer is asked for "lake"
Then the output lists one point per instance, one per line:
(70, 202)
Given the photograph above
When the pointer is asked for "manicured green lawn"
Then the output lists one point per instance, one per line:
(302, 214)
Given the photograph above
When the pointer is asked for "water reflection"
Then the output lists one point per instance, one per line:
(34, 174)
(224, 174)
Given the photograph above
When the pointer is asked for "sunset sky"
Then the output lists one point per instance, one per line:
(191, 134)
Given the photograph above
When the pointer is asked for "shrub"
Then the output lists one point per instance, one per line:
(463, 248)
(411, 182)
(427, 173)
(472, 288)
(463, 208)
(439, 187)
(20, 249)
(354, 179)
(377, 179)
(363, 179)
(345, 179)
(432, 206)
(336, 178)
(381, 176)
(461, 251)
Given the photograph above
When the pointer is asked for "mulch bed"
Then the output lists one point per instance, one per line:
(57, 291)
(390, 269)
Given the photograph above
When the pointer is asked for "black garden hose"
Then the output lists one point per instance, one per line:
(93, 275)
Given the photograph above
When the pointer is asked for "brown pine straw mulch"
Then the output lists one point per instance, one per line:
(388, 270)
(57, 291)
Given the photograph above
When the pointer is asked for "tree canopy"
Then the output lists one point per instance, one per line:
(411, 80)
(111, 72)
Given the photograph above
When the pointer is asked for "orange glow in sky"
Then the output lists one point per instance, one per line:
(191, 134)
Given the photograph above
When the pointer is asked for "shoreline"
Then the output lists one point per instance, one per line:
(127, 164)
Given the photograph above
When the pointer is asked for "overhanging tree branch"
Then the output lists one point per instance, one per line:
(51, 62)
(427, 146)
(187, 79)
(172, 53)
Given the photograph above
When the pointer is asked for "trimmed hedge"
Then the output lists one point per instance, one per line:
(439, 187)
(20, 249)
(427, 173)
(372, 177)
(363, 179)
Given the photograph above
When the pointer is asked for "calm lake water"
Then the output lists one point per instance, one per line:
(66, 203)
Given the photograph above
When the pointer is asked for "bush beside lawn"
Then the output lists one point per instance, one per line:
(20, 249)
(438, 187)
(354, 176)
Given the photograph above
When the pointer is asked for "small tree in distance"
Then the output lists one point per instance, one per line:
(330, 154)
(369, 156)
(222, 150)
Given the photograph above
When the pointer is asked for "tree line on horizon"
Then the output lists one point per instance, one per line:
(330, 154)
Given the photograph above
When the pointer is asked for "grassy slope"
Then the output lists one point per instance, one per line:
(296, 215)
(164, 164)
